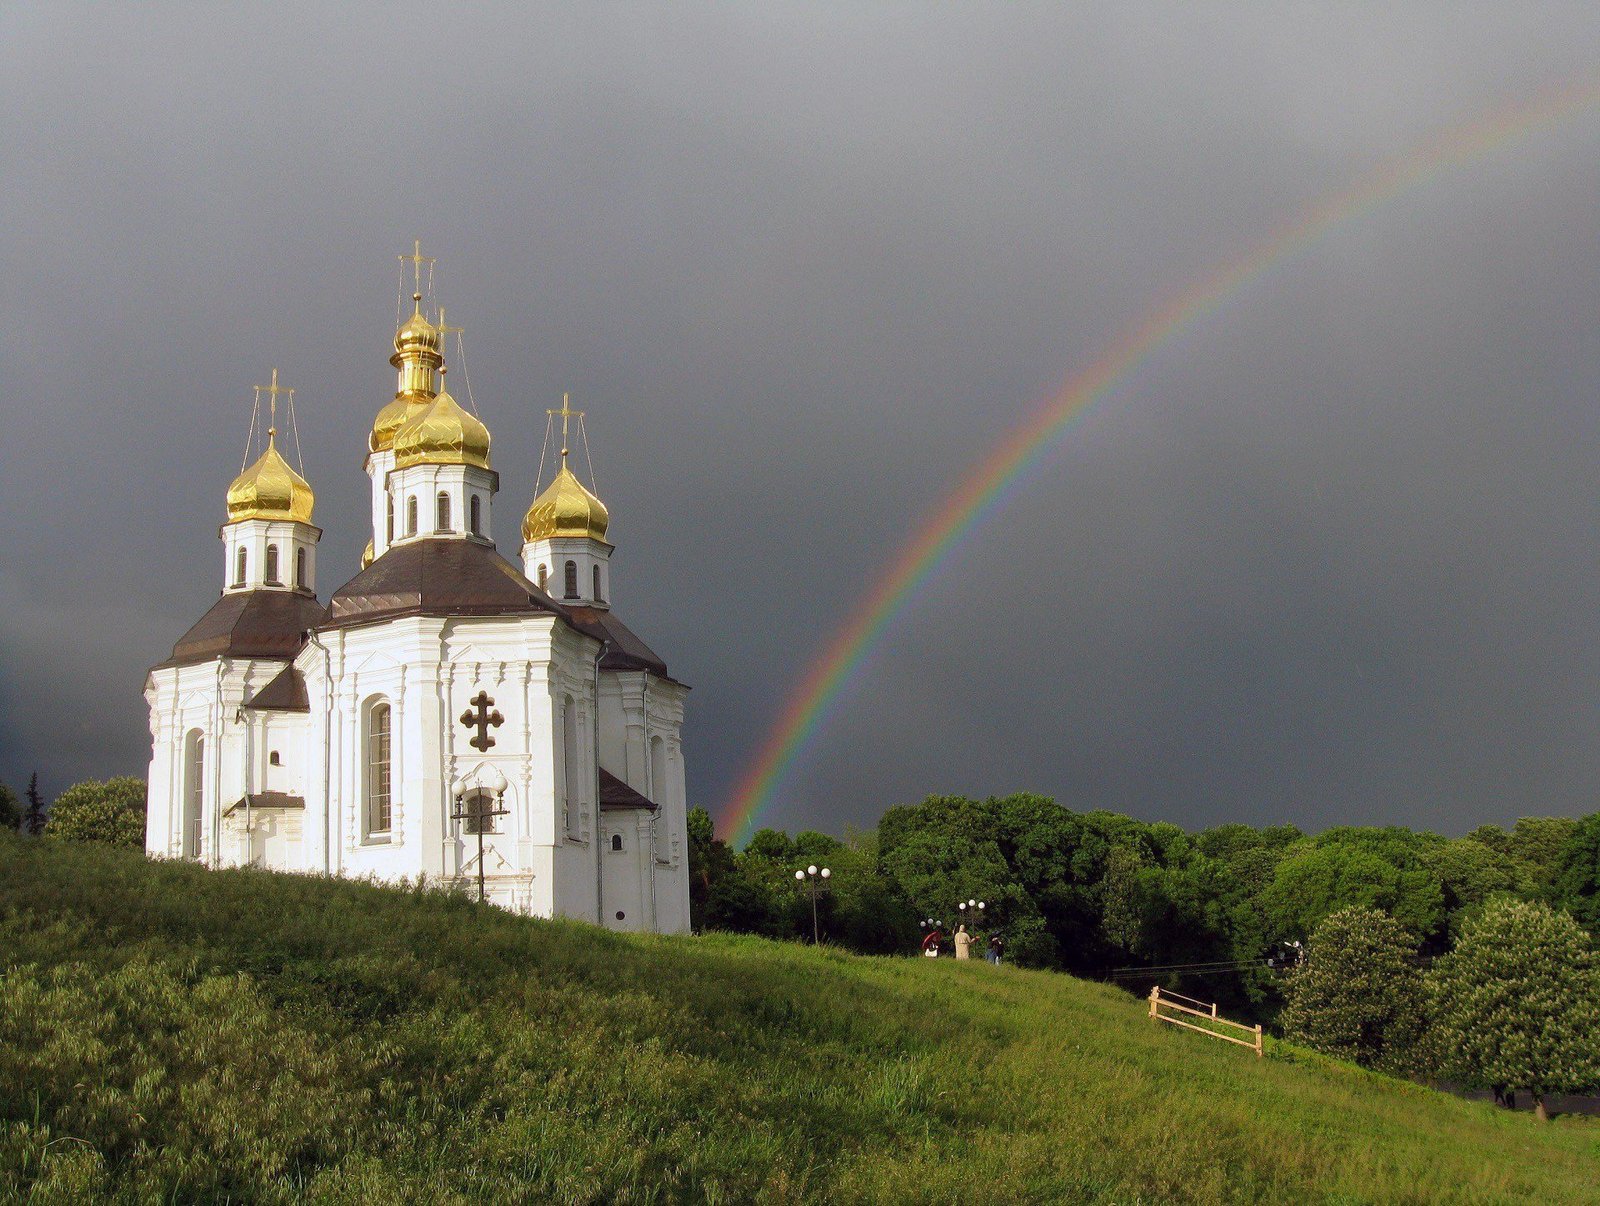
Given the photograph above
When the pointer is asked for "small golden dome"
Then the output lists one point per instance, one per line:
(270, 489)
(417, 333)
(442, 434)
(366, 555)
(566, 508)
(393, 417)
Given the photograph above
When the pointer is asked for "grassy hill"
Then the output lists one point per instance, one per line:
(172, 1033)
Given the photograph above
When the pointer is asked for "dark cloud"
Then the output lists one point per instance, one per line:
(1329, 556)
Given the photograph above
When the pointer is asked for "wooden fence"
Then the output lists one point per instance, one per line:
(1159, 1002)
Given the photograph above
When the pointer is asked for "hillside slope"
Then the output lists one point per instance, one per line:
(168, 1031)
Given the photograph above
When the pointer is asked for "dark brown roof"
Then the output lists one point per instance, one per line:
(254, 623)
(285, 693)
(614, 793)
(625, 651)
(265, 799)
(443, 577)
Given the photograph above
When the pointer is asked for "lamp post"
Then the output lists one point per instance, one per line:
(811, 877)
(497, 784)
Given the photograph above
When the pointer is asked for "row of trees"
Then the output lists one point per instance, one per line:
(1514, 1004)
(1101, 894)
(111, 811)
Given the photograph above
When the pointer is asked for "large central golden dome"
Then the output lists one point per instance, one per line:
(566, 508)
(270, 489)
(442, 434)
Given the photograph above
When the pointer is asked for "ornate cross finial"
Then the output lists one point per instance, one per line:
(566, 412)
(272, 391)
(446, 330)
(481, 719)
(417, 260)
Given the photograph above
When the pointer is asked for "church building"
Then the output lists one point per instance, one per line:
(446, 715)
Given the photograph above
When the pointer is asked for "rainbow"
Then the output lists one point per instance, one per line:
(1002, 474)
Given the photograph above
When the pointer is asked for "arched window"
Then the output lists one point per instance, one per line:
(411, 516)
(380, 746)
(616, 841)
(569, 762)
(272, 565)
(300, 568)
(240, 561)
(479, 808)
(598, 597)
(572, 579)
(389, 520)
(443, 506)
(194, 794)
(659, 793)
(273, 759)
(544, 577)
(475, 510)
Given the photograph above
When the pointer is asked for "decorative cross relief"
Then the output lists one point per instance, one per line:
(481, 720)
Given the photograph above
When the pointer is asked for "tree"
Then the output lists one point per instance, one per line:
(111, 812)
(1359, 994)
(33, 820)
(1316, 880)
(1578, 883)
(1517, 1003)
(10, 808)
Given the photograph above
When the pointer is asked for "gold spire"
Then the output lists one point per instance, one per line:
(418, 354)
(566, 508)
(442, 433)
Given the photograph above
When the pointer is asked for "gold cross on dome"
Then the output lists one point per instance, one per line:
(566, 412)
(445, 329)
(417, 260)
(272, 391)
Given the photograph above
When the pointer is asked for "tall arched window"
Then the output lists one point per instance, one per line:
(572, 580)
(389, 519)
(379, 773)
(300, 568)
(544, 577)
(272, 564)
(194, 794)
(598, 597)
(569, 762)
(240, 561)
(442, 523)
(411, 516)
(475, 509)
(659, 794)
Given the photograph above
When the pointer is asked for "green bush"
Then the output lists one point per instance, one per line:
(112, 812)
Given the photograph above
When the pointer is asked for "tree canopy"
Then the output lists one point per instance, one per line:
(92, 811)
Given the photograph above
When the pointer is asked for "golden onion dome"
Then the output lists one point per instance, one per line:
(393, 417)
(270, 489)
(442, 433)
(566, 508)
(417, 333)
(366, 555)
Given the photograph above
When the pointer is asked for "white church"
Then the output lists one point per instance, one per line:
(446, 715)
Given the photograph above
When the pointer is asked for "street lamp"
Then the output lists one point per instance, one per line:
(812, 876)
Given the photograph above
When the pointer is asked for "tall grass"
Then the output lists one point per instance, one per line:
(169, 1033)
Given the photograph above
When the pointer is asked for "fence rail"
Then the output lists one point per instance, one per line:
(1158, 1002)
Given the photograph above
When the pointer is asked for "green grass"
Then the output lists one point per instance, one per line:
(173, 1034)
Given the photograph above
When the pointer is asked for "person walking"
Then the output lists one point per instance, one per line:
(963, 943)
(996, 945)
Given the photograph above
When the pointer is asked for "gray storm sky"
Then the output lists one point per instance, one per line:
(1333, 555)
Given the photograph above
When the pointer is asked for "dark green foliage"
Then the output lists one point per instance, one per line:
(1380, 869)
(33, 817)
(1358, 995)
(1577, 883)
(10, 808)
(1517, 1002)
(112, 812)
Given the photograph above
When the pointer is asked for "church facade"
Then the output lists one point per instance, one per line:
(446, 716)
